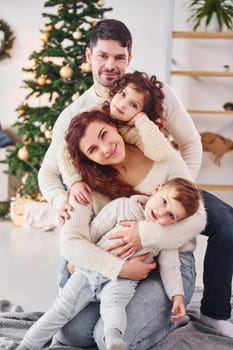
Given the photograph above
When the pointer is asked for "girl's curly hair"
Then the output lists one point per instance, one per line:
(150, 86)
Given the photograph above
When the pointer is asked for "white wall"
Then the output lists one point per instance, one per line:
(25, 20)
(151, 24)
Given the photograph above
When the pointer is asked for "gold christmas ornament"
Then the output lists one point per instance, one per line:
(48, 134)
(77, 34)
(27, 141)
(23, 153)
(85, 67)
(66, 72)
(101, 3)
(44, 37)
(48, 81)
(49, 27)
(21, 109)
(20, 112)
(42, 80)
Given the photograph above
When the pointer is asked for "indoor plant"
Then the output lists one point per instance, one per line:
(208, 9)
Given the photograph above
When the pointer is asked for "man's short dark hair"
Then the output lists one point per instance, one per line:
(111, 29)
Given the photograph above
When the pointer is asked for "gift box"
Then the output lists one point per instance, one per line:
(17, 210)
(30, 213)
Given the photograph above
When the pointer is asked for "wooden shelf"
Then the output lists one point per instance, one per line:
(193, 73)
(202, 35)
(203, 111)
(199, 73)
(216, 187)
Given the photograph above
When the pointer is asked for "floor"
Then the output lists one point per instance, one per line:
(29, 261)
(28, 266)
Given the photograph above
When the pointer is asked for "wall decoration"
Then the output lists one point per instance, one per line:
(6, 40)
(217, 144)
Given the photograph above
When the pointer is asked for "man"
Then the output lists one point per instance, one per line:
(109, 55)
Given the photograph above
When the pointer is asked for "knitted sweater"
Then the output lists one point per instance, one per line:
(178, 124)
(107, 222)
(76, 243)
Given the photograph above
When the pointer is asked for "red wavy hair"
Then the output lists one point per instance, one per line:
(101, 178)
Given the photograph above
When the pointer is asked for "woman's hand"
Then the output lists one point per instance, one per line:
(81, 192)
(63, 213)
(136, 269)
(130, 240)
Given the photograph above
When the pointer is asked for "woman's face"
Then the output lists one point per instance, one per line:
(102, 144)
(126, 103)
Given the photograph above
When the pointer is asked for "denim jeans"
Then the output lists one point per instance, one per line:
(83, 287)
(63, 273)
(148, 314)
(218, 263)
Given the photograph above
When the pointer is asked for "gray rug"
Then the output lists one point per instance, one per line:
(193, 336)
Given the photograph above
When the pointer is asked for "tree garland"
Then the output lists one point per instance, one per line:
(6, 40)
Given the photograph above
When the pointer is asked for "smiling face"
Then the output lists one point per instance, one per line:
(109, 60)
(163, 208)
(126, 103)
(102, 144)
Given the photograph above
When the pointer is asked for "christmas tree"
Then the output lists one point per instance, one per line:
(58, 73)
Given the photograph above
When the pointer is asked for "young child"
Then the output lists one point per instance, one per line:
(173, 201)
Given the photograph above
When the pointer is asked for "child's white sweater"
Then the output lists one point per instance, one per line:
(107, 222)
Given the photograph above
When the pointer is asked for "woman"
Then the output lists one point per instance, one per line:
(108, 165)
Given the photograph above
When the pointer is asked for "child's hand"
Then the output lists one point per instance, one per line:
(71, 268)
(133, 120)
(81, 192)
(65, 209)
(178, 308)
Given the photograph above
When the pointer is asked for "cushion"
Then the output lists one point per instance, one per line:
(4, 139)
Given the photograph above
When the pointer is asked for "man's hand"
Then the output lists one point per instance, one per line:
(81, 192)
(136, 269)
(178, 308)
(129, 240)
(64, 210)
